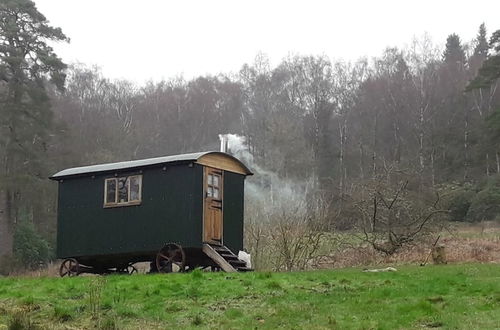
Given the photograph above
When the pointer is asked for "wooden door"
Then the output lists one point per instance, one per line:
(213, 206)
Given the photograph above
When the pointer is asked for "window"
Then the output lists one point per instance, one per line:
(123, 191)
(213, 186)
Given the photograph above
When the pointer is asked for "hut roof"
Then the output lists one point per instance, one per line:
(209, 158)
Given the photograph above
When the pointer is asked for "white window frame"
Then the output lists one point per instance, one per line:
(116, 203)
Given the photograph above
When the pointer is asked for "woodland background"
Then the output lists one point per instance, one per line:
(420, 121)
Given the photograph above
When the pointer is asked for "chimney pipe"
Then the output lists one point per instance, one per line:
(223, 142)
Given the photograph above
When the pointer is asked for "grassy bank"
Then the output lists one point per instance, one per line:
(452, 296)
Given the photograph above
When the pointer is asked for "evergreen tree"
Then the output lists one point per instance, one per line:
(495, 42)
(454, 52)
(490, 70)
(481, 48)
(27, 64)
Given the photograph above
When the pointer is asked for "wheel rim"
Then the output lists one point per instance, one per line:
(169, 255)
(69, 267)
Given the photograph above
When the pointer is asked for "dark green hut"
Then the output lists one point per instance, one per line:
(174, 209)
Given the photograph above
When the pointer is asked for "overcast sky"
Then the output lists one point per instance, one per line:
(155, 39)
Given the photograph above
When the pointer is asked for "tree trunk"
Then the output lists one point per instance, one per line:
(6, 232)
(433, 169)
(466, 147)
(421, 160)
(343, 171)
(361, 161)
(487, 164)
(498, 162)
(374, 151)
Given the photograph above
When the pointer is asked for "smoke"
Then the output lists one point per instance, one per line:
(265, 188)
(236, 145)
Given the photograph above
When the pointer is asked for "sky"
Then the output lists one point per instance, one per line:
(161, 39)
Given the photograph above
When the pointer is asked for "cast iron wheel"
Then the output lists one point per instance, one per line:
(69, 267)
(169, 255)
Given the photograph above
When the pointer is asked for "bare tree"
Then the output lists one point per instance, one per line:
(395, 212)
(288, 233)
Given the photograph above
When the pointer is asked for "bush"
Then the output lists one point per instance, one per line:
(485, 205)
(30, 248)
(459, 204)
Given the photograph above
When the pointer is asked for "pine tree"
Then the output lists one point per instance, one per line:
(481, 48)
(454, 52)
(27, 65)
(490, 70)
(495, 42)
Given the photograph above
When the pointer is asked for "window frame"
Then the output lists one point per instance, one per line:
(212, 187)
(116, 203)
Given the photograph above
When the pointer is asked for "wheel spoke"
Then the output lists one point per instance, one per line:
(69, 267)
(169, 259)
(169, 255)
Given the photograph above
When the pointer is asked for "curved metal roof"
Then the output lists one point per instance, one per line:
(140, 163)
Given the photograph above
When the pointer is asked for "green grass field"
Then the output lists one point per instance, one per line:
(453, 296)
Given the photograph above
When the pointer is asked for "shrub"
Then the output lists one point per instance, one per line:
(30, 248)
(485, 205)
(459, 204)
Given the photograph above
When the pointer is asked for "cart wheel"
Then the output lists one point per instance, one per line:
(169, 255)
(69, 267)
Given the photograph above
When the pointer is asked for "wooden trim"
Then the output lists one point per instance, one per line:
(106, 190)
(217, 258)
(140, 188)
(223, 162)
(129, 202)
(122, 204)
(128, 190)
(210, 200)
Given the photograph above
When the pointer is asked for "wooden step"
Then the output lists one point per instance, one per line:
(237, 263)
(228, 256)
(225, 258)
(217, 258)
(220, 249)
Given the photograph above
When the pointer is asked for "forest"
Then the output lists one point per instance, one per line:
(375, 146)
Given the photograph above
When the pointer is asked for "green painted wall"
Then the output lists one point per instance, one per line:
(171, 211)
(233, 211)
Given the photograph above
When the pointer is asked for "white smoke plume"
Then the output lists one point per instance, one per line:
(265, 187)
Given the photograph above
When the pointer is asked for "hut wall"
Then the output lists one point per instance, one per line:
(171, 211)
(233, 211)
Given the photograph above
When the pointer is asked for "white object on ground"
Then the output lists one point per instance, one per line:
(388, 269)
(246, 257)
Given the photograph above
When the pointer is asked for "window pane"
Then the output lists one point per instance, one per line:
(216, 180)
(122, 190)
(111, 191)
(216, 193)
(135, 188)
(210, 192)
(210, 179)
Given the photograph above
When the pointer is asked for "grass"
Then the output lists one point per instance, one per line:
(453, 296)
(483, 230)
